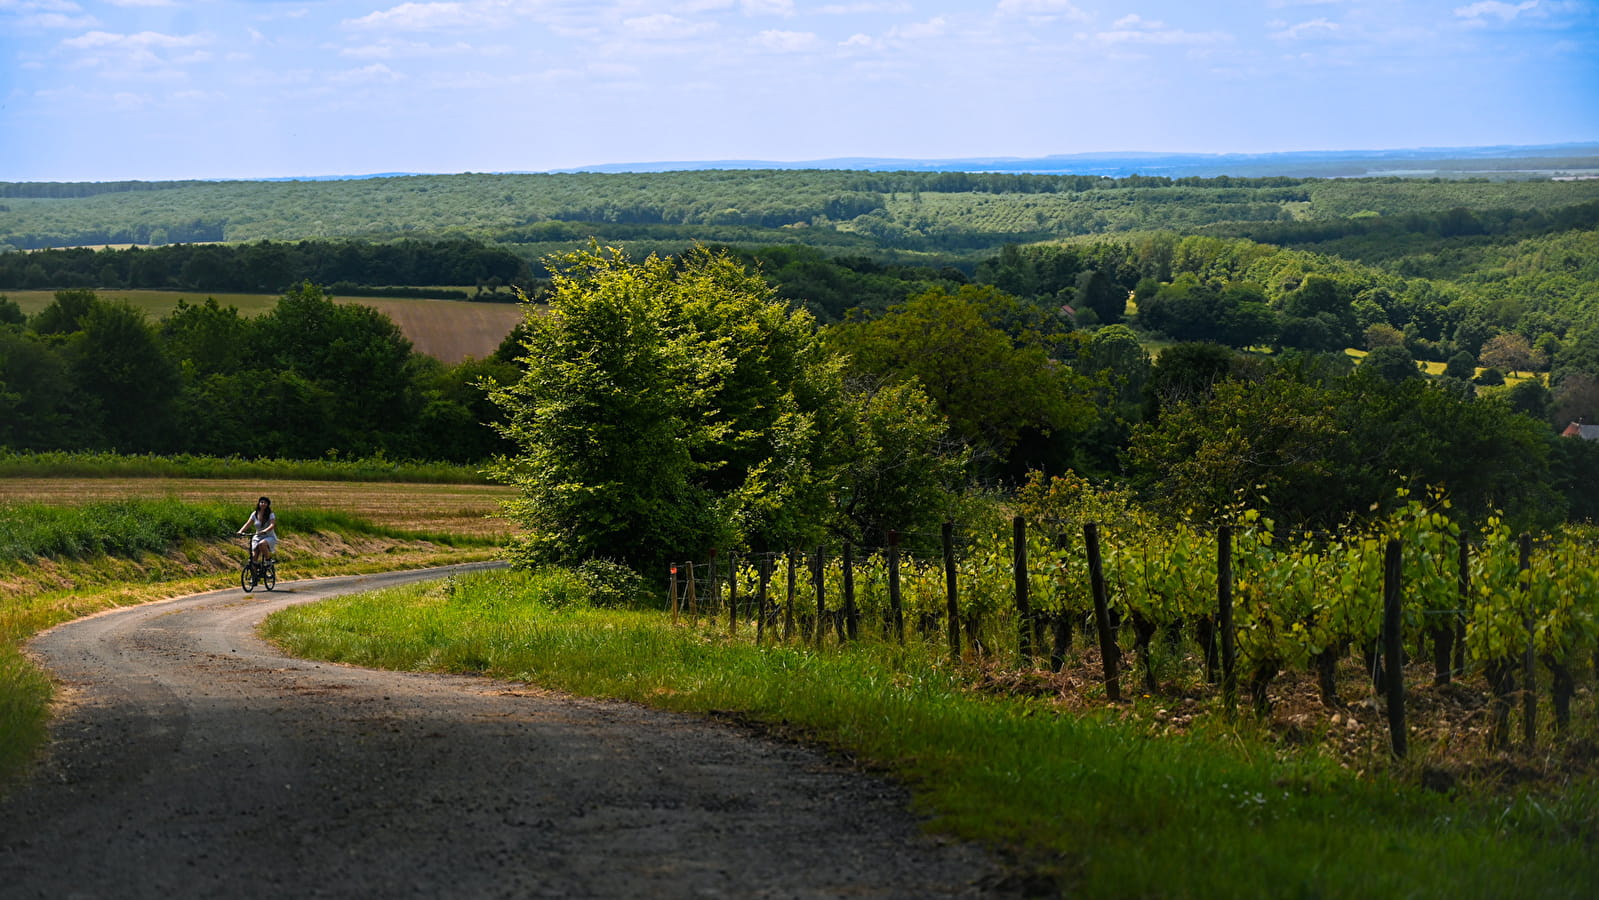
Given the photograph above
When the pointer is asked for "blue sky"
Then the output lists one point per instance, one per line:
(95, 90)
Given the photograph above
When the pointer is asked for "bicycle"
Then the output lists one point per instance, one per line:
(255, 573)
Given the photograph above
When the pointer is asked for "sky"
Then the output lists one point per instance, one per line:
(103, 90)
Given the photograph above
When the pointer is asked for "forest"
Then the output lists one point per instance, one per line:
(1379, 331)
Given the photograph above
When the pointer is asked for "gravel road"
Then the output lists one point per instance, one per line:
(189, 759)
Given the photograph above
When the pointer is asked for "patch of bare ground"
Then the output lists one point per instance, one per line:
(1447, 725)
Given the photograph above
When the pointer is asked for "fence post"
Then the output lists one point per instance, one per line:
(714, 604)
(1024, 606)
(1529, 698)
(951, 595)
(894, 601)
(1393, 640)
(1224, 617)
(851, 615)
(788, 611)
(765, 570)
(821, 596)
(1108, 652)
(671, 593)
(693, 601)
(732, 594)
(1464, 580)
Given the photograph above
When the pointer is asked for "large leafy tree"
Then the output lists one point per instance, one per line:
(995, 389)
(667, 407)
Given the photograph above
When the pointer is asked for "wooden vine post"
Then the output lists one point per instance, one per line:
(951, 592)
(671, 593)
(692, 601)
(732, 594)
(1108, 652)
(821, 596)
(895, 602)
(788, 609)
(714, 601)
(1529, 697)
(1393, 642)
(1024, 609)
(760, 599)
(1224, 617)
(851, 615)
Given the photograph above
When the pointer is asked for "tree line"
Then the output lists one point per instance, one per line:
(937, 211)
(307, 380)
(267, 266)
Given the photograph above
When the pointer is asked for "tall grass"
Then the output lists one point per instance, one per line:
(127, 528)
(62, 464)
(1095, 801)
(32, 531)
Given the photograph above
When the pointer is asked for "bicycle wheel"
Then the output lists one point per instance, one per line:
(247, 578)
(269, 575)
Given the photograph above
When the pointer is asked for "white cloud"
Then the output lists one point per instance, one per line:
(932, 28)
(1041, 10)
(32, 14)
(394, 49)
(856, 9)
(786, 41)
(1134, 29)
(373, 74)
(144, 40)
(664, 26)
(1479, 12)
(768, 7)
(437, 16)
(57, 20)
(142, 3)
(1313, 28)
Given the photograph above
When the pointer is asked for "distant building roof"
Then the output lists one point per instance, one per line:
(1586, 432)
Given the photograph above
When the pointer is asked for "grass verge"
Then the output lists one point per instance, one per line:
(1092, 801)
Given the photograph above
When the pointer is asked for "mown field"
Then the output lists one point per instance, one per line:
(447, 330)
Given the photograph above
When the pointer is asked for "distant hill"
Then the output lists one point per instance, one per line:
(1450, 162)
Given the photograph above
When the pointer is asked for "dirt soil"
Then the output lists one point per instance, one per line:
(190, 759)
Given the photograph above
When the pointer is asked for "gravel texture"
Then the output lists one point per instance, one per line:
(190, 759)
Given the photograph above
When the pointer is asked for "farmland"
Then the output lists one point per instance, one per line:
(447, 330)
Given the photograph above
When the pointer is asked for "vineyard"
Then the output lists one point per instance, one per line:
(1234, 605)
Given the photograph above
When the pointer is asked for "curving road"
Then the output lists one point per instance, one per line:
(190, 759)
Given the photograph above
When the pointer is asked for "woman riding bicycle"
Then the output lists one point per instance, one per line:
(264, 522)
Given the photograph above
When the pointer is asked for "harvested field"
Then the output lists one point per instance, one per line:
(447, 330)
(468, 509)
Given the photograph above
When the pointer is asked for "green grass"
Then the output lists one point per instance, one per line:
(62, 464)
(1095, 801)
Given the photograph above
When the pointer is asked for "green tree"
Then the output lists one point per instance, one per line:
(10, 312)
(351, 358)
(117, 360)
(667, 408)
(1097, 291)
(1390, 362)
(991, 388)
